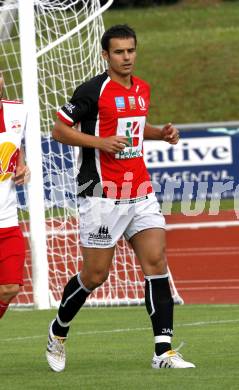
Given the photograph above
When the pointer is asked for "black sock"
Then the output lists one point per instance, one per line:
(160, 348)
(159, 304)
(74, 296)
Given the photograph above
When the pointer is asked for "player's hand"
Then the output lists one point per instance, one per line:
(113, 144)
(22, 175)
(170, 134)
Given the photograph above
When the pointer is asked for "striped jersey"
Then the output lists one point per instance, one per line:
(12, 125)
(102, 107)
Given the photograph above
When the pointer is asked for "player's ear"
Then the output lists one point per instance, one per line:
(105, 55)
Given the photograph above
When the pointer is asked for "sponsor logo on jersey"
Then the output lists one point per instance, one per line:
(132, 133)
(70, 107)
(142, 104)
(15, 125)
(103, 237)
(8, 160)
(120, 102)
(132, 103)
(132, 128)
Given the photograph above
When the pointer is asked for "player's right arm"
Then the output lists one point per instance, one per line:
(69, 135)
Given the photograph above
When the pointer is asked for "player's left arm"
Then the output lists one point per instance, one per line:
(22, 175)
(169, 133)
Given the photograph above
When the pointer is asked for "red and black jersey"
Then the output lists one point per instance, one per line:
(102, 107)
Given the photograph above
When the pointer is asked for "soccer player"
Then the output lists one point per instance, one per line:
(13, 171)
(106, 118)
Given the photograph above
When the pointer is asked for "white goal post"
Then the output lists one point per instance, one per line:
(49, 47)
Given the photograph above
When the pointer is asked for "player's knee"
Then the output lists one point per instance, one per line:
(93, 279)
(8, 292)
(98, 278)
(158, 258)
(156, 264)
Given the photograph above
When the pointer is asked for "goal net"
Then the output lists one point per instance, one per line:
(68, 53)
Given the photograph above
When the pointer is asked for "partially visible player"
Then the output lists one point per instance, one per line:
(13, 171)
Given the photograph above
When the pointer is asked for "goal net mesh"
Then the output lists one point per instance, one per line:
(68, 53)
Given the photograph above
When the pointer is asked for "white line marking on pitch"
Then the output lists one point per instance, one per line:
(123, 330)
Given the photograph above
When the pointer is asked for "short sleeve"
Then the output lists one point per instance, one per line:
(78, 108)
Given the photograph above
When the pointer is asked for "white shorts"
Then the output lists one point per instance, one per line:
(103, 221)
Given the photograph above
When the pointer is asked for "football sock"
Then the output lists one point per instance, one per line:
(159, 305)
(74, 296)
(3, 308)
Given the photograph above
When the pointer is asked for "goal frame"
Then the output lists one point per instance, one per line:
(29, 56)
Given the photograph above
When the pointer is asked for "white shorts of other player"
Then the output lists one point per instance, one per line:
(103, 221)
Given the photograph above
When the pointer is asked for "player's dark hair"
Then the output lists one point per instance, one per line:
(122, 31)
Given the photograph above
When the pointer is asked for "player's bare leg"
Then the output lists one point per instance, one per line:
(7, 293)
(96, 265)
(94, 272)
(149, 246)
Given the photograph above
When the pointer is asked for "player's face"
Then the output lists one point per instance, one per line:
(121, 56)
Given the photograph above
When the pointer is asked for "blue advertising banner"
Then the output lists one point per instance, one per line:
(203, 165)
(58, 175)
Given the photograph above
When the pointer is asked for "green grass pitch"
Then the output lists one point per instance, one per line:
(111, 348)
